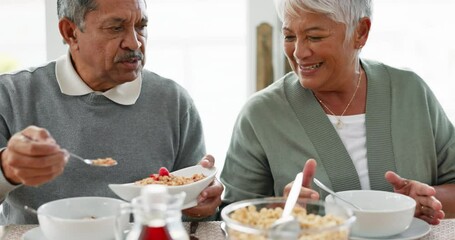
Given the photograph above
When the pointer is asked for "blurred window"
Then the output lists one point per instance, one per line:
(23, 38)
(418, 35)
(202, 44)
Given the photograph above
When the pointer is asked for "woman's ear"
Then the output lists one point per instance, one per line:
(361, 32)
(68, 31)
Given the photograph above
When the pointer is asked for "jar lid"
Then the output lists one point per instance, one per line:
(154, 194)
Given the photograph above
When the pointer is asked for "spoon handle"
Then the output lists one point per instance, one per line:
(30, 209)
(78, 157)
(325, 188)
(293, 195)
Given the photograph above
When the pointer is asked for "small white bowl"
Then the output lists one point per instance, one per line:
(383, 213)
(88, 218)
(129, 191)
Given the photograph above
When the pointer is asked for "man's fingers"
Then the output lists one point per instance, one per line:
(207, 161)
(38, 134)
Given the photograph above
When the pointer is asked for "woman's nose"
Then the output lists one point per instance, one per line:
(302, 50)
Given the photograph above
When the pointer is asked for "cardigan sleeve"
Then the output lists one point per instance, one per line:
(246, 173)
(444, 136)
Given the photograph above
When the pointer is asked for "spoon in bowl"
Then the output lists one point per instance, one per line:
(327, 189)
(287, 226)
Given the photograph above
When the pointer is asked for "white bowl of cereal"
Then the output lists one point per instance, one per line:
(251, 219)
(382, 213)
(191, 180)
(88, 218)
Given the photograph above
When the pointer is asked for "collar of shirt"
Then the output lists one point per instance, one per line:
(71, 84)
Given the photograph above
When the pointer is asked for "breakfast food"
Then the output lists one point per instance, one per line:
(265, 217)
(164, 177)
(104, 162)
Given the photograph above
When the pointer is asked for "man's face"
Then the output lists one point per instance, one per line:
(111, 48)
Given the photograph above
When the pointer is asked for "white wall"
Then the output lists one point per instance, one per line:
(54, 43)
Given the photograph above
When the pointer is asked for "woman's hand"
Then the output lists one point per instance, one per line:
(428, 208)
(308, 173)
(210, 197)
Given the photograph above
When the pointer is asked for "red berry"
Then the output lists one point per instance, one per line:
(163, 171)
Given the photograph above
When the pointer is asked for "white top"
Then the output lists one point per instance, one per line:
(353, 136)
(71, 84)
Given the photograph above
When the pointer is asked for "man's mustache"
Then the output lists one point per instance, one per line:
(137, 55)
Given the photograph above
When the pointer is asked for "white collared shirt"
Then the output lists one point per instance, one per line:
(71, 84)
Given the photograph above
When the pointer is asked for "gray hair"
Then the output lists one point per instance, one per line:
(348, 12)
(75, 10)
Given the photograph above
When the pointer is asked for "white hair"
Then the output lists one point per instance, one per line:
(347, 12)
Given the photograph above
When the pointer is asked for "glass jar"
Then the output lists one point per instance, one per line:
(157, 216)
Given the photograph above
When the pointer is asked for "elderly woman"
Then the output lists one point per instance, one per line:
(366, 125)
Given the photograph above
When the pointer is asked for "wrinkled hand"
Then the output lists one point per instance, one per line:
(308, 173)
(32, 157)
(210, 197)
(428, 208)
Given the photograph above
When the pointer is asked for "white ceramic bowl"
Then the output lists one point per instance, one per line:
(129, 191)
(383, 213)
(237, 230)
(88, 218)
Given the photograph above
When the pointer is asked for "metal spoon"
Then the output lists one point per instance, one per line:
(96, 162)
(327, 189)
(101, 162)
(30, 210)
(287, 226)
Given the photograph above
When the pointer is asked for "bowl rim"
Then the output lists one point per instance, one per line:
(253, 230)
(411, 203)
(211, 176)
(47, 205)
(213, 170)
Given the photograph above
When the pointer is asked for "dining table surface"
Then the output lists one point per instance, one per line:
(212, 231)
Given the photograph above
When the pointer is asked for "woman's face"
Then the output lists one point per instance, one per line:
(315, 48)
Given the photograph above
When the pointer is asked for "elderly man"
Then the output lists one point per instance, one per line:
(96, 101)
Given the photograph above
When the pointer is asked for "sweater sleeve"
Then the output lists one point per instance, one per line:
(246, 173)
(5, 185)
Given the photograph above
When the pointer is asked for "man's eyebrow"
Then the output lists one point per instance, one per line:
(114, 20)
(121, 20)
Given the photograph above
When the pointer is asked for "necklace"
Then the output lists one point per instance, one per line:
(339, 124)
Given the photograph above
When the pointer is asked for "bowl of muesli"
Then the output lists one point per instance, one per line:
(191, 180)
(252, 219)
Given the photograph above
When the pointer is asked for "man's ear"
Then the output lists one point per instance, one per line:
(362, 31)
(68, 31)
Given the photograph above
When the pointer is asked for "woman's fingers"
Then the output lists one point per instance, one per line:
(309, 170)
